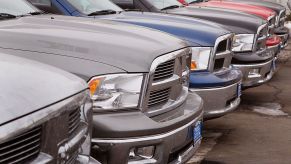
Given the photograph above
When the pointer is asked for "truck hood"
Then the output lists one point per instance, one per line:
(196, 32)
(262, 12)
(271, 5)
(127, 47)
(236, 22)
(27, 86)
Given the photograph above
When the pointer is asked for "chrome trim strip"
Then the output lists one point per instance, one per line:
(156, 137)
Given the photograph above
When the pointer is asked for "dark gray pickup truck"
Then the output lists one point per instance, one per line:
(139, 109)
(45, 114)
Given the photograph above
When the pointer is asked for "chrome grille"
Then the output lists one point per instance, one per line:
(158, 97)
(281, 18)
(74, 120)
(22, 148)
(162, 92)
(164, 70)
(261, 38)
(222, 53)
(271, 24)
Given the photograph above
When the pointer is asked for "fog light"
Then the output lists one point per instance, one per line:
(142, 153)
(254, 73)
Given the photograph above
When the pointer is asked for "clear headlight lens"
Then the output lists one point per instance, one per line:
(200, 58)
(116, 91)
(243, 42)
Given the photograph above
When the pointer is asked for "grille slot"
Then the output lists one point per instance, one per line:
(164, 70)
(158, 97)
(222, 46)
(22, 148)
(271, 24)
(282, 18)
(219, 63)
(74, 120)
(263, 32)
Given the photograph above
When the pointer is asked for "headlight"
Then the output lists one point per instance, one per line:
(243, 42)
(116, 91)
(200, 58)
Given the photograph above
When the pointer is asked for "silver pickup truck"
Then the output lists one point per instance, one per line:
(45, 114)
(139, 108)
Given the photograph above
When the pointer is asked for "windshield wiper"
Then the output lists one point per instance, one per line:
(37, 13)
(132, 10)
(197, 1)
(171, 7)
(7, 16)
(102, 12)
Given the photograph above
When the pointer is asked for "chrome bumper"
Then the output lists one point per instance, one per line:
(256, 74)
(177, 141)
(226, 99)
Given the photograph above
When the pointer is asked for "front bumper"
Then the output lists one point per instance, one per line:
(256, 74)
(224, 87)
(226, 99)
(175, 145)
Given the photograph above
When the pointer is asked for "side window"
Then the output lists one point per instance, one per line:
(45, 5)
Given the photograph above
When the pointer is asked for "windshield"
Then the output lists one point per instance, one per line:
(90, 6)
(16, 7)
(162, 4)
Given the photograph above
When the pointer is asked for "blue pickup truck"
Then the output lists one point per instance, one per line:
(212, 77)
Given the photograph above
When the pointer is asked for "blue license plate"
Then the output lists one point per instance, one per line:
(239, 90)
(197, 136)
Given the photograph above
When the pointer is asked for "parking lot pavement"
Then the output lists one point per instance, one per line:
(259, 131)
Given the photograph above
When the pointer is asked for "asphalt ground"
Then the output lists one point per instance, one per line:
(259, 131)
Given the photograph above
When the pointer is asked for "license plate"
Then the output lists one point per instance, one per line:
(239, 89)
(197, 136)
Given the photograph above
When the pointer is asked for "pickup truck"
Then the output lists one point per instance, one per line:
(210, 80)
(274, 14)
(251, 54)
(46, 114)
(138, 108)
(280, 30)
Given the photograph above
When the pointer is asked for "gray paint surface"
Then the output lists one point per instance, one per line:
(125, 47)
(27, 86)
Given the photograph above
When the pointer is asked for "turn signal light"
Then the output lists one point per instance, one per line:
(193, 65)
(94, 85)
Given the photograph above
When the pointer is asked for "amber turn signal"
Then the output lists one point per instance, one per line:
(193, 65)
(94, 84)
